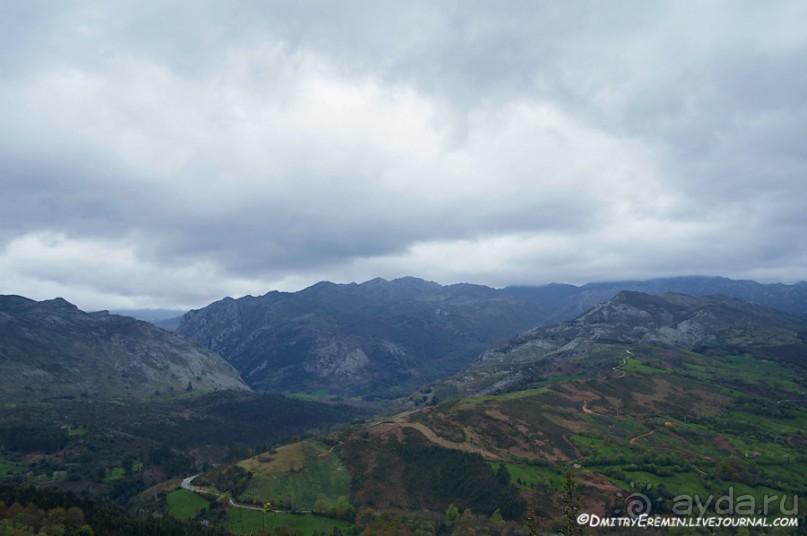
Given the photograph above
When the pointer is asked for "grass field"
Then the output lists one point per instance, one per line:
(634, 365)
(76, 431)
(524, 476)
(745, 369)
(115, 473)
(184, 504)
(534, 390)
(11, 469)
(241, 521)
(296, 476)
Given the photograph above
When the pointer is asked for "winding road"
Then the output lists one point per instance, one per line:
(186, 485)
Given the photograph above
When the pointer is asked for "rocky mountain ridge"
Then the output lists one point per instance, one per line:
(52, 349)
(378, 338)
(714, 325)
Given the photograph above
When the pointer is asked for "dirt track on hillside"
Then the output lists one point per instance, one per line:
(437, 440)
(634, 440)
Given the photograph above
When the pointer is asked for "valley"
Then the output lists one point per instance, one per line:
(657, 396)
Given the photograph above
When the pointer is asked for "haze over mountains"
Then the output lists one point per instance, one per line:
(564, 302)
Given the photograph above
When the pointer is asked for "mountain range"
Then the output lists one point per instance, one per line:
(669, 393)
(378, 339)
(386, 338)
(565, 302)
(375, 339)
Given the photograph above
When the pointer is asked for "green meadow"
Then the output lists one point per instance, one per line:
(184, 504)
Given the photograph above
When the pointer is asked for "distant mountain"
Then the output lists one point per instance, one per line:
(52, 349)
(711, 325)
(379, 338)
(564, 302)
(155, 316)
(167, 319)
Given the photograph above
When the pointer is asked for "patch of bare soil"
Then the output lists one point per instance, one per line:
(634, 440)
(576, 426)
(596, 481)
(577, 452)
(585, 397)
(661, 390)
(588, 411)
(387, 429)
(494, 413)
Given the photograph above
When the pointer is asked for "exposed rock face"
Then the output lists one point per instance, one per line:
(52, 349)
(713, 324)
(677, 320)
(379, 338)
(337, 358)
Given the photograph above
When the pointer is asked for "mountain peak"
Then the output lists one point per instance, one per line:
(58, 303)
(415, 283)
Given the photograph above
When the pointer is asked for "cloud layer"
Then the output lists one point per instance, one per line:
(168, 154)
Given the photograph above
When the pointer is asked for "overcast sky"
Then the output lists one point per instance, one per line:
(167, 154)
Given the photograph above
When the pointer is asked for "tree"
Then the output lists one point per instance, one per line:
(497, 518)
(571, 506)
(452, 514)
(503, 475)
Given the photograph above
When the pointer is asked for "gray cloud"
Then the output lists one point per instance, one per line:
(166, 154)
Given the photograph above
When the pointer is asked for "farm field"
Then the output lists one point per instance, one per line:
(184, 504)
(301, 476)
(241, 521)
